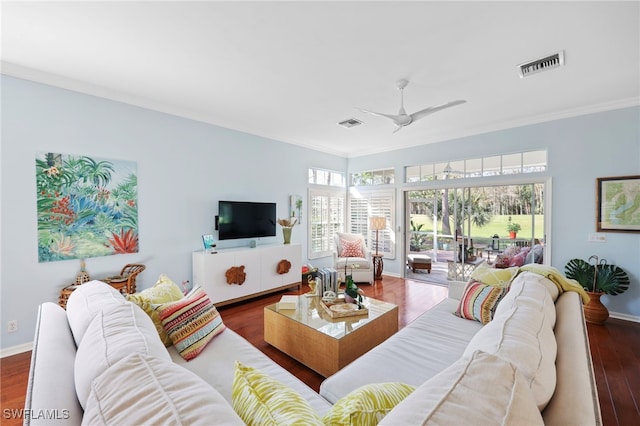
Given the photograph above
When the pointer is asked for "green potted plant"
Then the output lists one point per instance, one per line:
(513, 228)
(597, 279)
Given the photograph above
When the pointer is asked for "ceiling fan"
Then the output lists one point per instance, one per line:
(402, 119)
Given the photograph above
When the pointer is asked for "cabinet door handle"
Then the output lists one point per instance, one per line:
(236, 275)
(284, 266)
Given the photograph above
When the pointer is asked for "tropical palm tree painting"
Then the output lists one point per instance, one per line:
(87, 207)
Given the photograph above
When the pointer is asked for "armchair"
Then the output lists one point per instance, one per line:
(364, 270)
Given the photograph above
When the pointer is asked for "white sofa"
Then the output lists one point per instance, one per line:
(459, 371)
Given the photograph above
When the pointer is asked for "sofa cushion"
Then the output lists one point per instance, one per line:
(481, 389)
(216, 366)
(523, 335)
(532, 286)
(479, 301)
(492, 276)
(164, 291)
(110, 337)
(86, 301)
(352, 264)
(191, 322)
(367, 405)
(262, 400)
(436, 338)
(144, 390)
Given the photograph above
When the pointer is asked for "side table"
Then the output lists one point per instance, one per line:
(378, 265)
(118, 282)
(65, 293)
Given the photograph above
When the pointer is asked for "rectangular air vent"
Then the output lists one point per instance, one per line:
(349, 123)
(547, 63)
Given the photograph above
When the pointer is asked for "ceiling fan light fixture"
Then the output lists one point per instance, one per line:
(349, 123)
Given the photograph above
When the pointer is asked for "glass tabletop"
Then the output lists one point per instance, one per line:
(311, 313)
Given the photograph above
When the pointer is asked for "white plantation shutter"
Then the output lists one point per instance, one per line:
(326, 217)
(365, 204)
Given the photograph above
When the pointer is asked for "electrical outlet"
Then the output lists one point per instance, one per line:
(12, 326)
(597, 237)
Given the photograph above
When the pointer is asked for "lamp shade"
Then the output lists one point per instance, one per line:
(377, 223)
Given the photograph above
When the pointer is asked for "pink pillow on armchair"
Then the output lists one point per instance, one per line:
(351, 249)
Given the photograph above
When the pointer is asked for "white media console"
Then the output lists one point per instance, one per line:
(234, 274)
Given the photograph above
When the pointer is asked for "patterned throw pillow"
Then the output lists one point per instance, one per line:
(479, 301)
(261, 400)
(191, 322)
(367, 405)
(351, 248)
(164, 291)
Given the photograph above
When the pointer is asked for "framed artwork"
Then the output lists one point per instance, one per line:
(86, 206)
(296, 207)
(618, 204)
(207, 241)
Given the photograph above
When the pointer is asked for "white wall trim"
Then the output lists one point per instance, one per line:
(15, 350)
(625, 317)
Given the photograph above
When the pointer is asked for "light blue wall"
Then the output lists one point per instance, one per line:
(184, 168)
(579, 150)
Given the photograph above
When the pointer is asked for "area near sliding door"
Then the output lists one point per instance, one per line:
(463, 213)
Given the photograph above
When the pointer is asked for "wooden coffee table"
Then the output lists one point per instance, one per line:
(323, 344)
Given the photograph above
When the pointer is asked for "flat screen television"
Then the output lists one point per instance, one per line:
(244, 219)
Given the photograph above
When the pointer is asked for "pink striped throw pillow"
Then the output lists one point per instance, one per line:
(479, 301)
(191, 323)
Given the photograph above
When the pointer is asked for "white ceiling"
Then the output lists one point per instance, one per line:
(291, 70)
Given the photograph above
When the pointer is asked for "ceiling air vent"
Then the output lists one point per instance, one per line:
(349, 123)
(547, 63)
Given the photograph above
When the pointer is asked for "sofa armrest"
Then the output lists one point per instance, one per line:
(51, 391)
(456, 288)
(576, 384)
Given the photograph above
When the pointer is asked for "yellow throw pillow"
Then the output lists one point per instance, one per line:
(367, 405)
(261, 400)
(164, 291)
(493, 276)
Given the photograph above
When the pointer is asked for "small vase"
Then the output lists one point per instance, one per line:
(594, 311)
(286, 233)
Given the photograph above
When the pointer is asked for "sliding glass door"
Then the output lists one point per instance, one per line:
(459, 227)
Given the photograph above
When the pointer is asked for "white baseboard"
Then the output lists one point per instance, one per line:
(15, 350)
(625, 317)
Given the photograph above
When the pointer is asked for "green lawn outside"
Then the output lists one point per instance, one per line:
(497, 225)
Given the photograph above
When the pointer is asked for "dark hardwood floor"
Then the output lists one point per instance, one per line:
(615, 349)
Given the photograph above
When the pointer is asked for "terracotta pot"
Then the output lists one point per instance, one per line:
(512, 234)
(594, 311)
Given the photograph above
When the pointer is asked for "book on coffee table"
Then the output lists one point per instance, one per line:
(288, 302)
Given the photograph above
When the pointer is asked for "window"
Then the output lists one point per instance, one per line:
(366, 203)
(373, 177)
(496, 165)
(326, 177)
(326, 217)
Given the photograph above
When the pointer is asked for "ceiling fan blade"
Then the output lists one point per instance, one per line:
(423, 113)
(397, 119)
